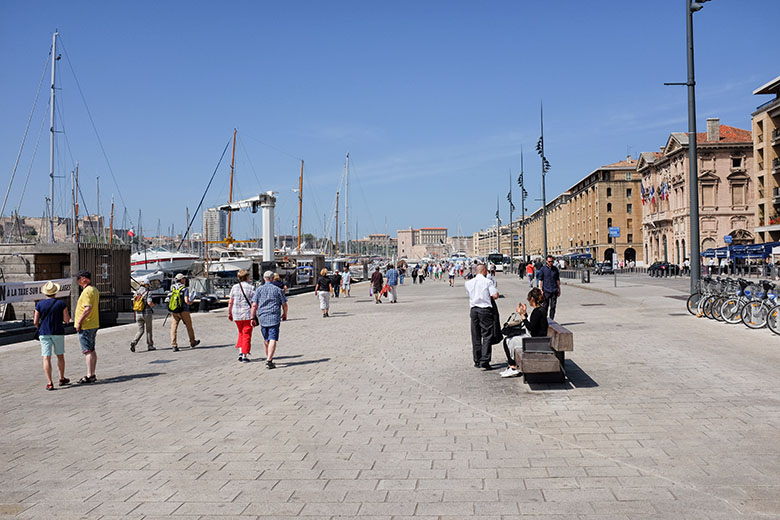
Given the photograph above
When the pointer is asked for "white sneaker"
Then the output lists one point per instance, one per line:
(510, 372)
(507, 369)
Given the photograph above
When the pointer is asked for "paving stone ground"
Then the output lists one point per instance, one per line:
(379, 413)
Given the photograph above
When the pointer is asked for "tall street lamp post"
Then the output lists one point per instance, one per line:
(693, 178)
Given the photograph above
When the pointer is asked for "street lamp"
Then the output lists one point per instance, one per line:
(693, 178)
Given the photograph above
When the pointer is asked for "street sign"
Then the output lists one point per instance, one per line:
(614, 232)
(728, 239)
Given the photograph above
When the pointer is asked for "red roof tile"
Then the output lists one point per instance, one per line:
(728, 134)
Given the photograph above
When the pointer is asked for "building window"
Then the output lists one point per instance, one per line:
(609, 222)
(629, 237)
(609, 207)
(628, 193)
(708, 195)
(629, 208)
(609, 192)
(738, 194)
(628, 176)
(736, 163)
(609, 240)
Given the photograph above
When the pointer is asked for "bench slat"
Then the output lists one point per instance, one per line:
(562, 338)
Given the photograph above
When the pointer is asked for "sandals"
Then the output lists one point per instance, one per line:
(64, 381)
(50, 386)
(87, 380)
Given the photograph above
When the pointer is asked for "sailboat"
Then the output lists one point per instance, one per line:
(228, 260)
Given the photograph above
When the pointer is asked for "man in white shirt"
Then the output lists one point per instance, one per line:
(481, 291)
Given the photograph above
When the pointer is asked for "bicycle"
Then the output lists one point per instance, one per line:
(755, 313)
(731, 310)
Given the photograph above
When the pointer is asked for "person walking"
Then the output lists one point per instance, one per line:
(451, 274)
(179, 304)
(415, 272)
(549, 279)
(535, 326)
(87, 323)
(335, 283)
(240, 313)
(376, 285)
(529, 272)
(144, 316)
(422, 273)
(322, 291)
(392, 281)
(50, 315)
(269, 309)
(346, 281)
(401, 273)
(481, 292)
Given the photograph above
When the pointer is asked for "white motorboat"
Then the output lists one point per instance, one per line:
(229, 262)
(162, 259)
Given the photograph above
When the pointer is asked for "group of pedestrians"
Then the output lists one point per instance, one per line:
(485, 320)
(50, 318)
(250, 307)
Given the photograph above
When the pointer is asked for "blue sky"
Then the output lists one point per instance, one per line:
(433, 100)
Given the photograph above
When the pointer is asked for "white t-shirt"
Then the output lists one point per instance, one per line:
(480, 291)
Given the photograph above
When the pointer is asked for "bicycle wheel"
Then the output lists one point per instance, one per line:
(731, 310)
(773, 319)
(693, 303)
(707, 307)
(716, 306)
(754, 314)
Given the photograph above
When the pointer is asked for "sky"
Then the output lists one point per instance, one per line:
(433, 101)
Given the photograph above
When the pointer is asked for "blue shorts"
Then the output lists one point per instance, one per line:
(87, 340)
(55, 342)
(270, 333)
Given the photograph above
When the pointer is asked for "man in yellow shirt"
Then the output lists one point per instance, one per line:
(87, 322)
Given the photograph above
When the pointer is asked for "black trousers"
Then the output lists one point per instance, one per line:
(550, 302)
(481, 334)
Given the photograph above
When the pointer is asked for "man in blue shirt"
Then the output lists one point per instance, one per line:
(392, 281)
(269, 307)
(549, 279)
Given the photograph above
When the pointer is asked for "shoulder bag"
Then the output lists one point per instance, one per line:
(255, 321)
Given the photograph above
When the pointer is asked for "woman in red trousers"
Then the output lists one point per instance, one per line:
(239, 312)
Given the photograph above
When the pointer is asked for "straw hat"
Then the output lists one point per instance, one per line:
(50, 288)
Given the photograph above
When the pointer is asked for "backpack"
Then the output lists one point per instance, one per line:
(139, 302)
(176, 302)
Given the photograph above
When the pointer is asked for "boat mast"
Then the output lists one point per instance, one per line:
(111, 229)
(54, 59)
(229, 239)
(336, 248)
(101, 225)
(346, 207)
(76, 204)
(300, 206)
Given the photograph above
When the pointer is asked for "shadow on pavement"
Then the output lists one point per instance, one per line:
(128, 377)
(572, 323)
(575, 378)
(295, 363)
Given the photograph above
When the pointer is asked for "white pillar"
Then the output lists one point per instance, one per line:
(267, 204)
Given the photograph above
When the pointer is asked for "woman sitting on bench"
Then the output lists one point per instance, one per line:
(535, 326)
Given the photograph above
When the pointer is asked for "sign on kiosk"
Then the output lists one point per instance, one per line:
(11, 292)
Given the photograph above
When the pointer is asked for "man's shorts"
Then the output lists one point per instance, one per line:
(87, 340)
(270, 333)
(55, 342)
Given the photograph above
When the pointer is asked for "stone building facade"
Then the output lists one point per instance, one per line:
(579, 219)
(726, 194)
(766, 158)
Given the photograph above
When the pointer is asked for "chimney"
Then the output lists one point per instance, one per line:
(713, 129)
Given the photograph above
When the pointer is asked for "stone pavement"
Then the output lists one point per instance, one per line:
(379, 413)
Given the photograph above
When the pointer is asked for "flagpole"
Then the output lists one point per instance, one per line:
(522, 202)
(511, 232)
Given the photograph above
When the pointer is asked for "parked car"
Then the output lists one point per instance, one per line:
(659, 269)
(604, 268)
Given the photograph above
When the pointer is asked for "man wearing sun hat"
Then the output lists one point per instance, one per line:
(50, 314)
(87, 323)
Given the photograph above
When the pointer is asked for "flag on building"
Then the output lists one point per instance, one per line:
(644, 193)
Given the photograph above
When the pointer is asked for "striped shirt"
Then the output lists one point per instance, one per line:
(242, 310)
(269, 299)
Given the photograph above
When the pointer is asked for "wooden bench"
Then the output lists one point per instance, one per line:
(543, 359)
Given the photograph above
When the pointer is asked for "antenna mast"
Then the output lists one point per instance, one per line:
(346, 207)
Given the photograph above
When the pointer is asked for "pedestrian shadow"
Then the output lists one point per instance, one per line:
(569, 324)
(307, 362)
(127, 377)
(339, 314)
(205, 347)
(295, 319)
(288, 357)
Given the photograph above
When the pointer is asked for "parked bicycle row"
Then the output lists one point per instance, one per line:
(754, 303)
